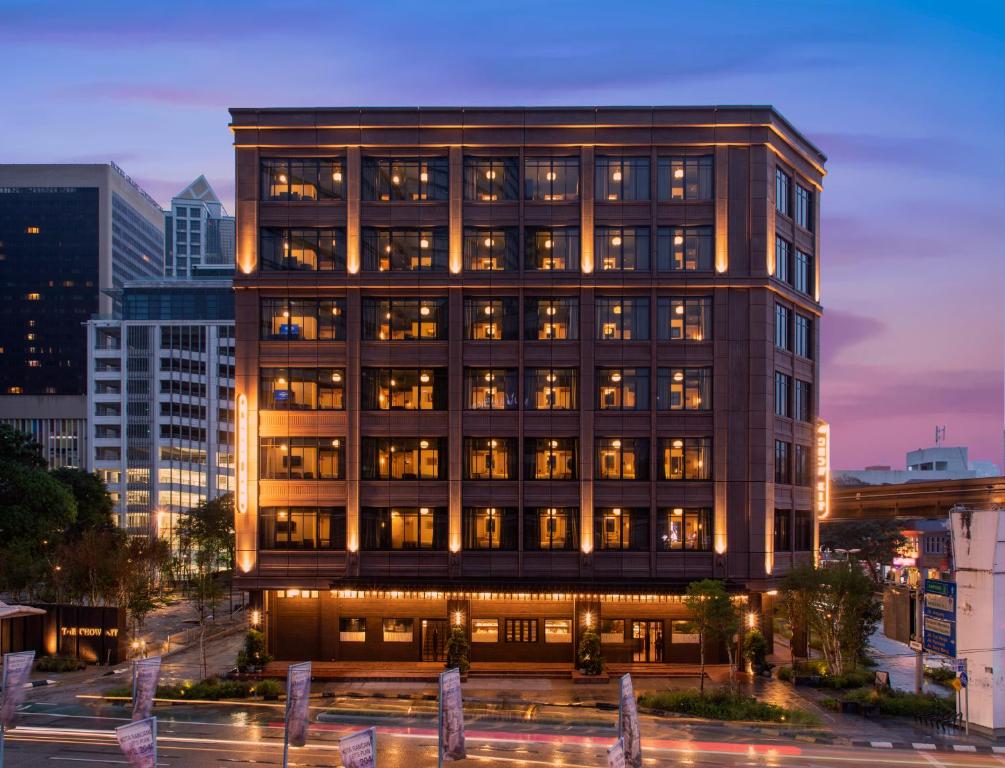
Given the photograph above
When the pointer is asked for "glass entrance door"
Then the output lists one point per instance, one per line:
(647, 640)
(434, 639)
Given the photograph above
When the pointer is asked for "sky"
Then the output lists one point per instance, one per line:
(906, 99)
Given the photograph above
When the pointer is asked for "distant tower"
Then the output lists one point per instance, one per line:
(940, 435)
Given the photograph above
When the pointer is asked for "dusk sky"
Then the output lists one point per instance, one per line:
(905, 98)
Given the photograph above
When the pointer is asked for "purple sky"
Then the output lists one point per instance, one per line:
(906, 100)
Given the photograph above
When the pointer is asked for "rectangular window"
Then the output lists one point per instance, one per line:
(682, 633)
(684, 389)
(551, 318)
(490, 389)
(783, 320)
(622, 458)
(551, 528)
(783, 395)
(399, 630)
(412, 179)
(804, 336)
(783, 462)
(783, 530)
(302, 389)
(301, 528)
(490, 528)
(403, 458)
(622, 389)
(557, 631)
(688, 529)
(303, 320)
(491, 319)
(803, 278)
(490, 458)
(491, 179)
(351, 630)
(521, 630)
(685, 178)
(802, 531)
(491, 250)
(551, 389)
(404, 319)
(622, 319)
(685, 458)
(801, 466)
(311, 250)
(783, 192)
(484, 630)
(301, 458)
(397, 528)
(684, 249)
(783, 259)
(551, 249)
(621, 249)
(612, 631)
(621, 178)
(803, 405)
(300, 179)
(621, 528)
(403, 389)
(684, 318)
(551, 179)
(804, 207)
(405, 250)
(551, 458)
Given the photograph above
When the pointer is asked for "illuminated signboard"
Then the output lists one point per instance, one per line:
(821, 481)
(88, 632)
(242, 454)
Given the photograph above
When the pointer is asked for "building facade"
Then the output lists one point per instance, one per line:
(161, 400)
(198, 234)
(523, 371)
(939, 462)
(58, 423)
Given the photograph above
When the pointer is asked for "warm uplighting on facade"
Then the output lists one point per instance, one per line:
(242, 453)
(246, 561)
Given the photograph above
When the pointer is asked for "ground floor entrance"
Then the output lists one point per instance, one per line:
(647, 640)
(434, 639)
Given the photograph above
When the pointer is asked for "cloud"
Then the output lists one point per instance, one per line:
(912, 151)
(150, 93)
(840, 330)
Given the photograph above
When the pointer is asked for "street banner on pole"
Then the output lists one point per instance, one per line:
(359, 750)
(138, 741)
(16, 671)
(628, 724)
(146, 674)
(298, 699)
(616, 755)
(451, 717)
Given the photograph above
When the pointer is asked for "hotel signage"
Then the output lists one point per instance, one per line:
(822, 482)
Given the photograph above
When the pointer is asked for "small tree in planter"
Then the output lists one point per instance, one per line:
(591, 662)
(457, 650)
(755, 650)
(253, 656)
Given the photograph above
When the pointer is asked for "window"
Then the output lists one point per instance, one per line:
(301, 527)
(783, 192)
(783, 258)
(612, 630)
(554, 249)
(803, 401)
(621, 178)
(803, 278)
(491, 319)
(490, 458)
(312, 250)
(622, 319)
(404, 389)
(404, 319)
(783, 463)
(623, 249)
(491, 250)
(684, 528)
(783, 396)
(684, 249)
(551, 458)
(802, 531)
(622, 458)
(685, 458)
(783, 530)
(403, 458)
(391, 528)
(396, 179)
(684, 389)
(485, 630)
(493, 389)
(351, 630)
(558, 630)
(621, 528)
(303, 320)
(804, 336)
(685, 178)
(783, 319)
(491, 179)
(302, 389)
(804, 207)
(296, 179)
(551, 179)
(301, 458)
(405, 250)
(680, 318)
(521, 630)
(801, 466)
(551, 528)
(551, 318)
(490, 528)
(398, 630)
(551, 389)
(32, 230)
(622, 389)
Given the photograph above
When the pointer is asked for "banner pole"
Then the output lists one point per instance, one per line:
(2, 729)
(286, 728)
(155, 743)
(439, 726)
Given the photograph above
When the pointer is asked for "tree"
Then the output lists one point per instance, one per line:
(713, 618)
(457, 650)
(139, 579)
(591, 662)
(799, 590)
(253, 655)
(19, 448)
(90, 566)
(877, 541)
(95, 510)
(755, 650)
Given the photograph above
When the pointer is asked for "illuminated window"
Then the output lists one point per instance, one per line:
(688, 529)
(303, 389)
(485, 630)
(551, 179)
(405, 179)
(551, 528)
(490, 528)
(491, 179)
(684, 389)
(622, 319)
(398, 630)
(558, 630)
(312, 250)
(551, 249)
(491, 250)
(33, 296)
(404, 389)
(685, 458)
(404, 458)
(624, 249)
(352, 630)
(551, 318)
(14, 390)
(622, 458)
(612, 630)
(491, 319)
(551, 389)
(684, 249)
(405, 250)
(621, 528)
(685, 178)
(521, 630)
(623, 389)
(395, 528)
(34, 363)
(299, 528)
(621, 178)
(302, 458)
(303, 319)
(490, 458)
(32, 230)
(551, 458)
(684, 318)
(302, 179)
(492, 389)
(404, 319)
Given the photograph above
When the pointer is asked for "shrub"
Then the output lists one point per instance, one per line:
(269, 690)
(591, 662)
(723, 705)
(457, 650)
(785, 674)
(902, 704)
(253, 654)
(942, 675)
(853, 679)
(212, 689)
(755, 649)
(58, 664)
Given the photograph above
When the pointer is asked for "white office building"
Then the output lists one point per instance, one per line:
(199, 234)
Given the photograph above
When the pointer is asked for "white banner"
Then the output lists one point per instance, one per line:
(628, 724)
(139, 742)
(451, 717)
(146, 674)
(359, 750)
(616, 755)
(16, 671)
(298, 700)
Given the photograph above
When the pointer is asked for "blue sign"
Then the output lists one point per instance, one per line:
(281, 395)
(940, 617)
(964, 679)
(289, 329)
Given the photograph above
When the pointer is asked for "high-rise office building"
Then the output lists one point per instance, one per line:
(199, 234)
(522, 371)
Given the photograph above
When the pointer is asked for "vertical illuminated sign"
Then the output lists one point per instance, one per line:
(242, 453)
(821, 481)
